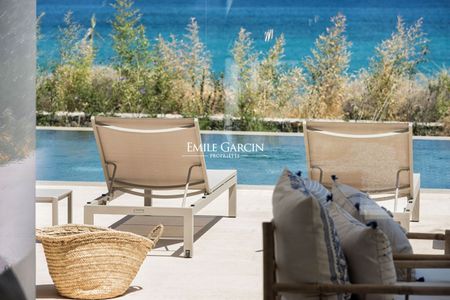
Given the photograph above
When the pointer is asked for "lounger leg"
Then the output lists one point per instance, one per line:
(55, 211)
(416, 208)
(403, 219)
(88, 216)
(188, 236)
(148, 197)
(232, 201)
(69, 208)
(414, 203)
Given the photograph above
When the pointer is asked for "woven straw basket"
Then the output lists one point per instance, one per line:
(89, 262)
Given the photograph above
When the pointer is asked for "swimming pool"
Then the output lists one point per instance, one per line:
(67, 155)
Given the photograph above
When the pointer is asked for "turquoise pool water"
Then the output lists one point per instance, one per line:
(72, 156)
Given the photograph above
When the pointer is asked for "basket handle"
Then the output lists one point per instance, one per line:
(156, 233)
(39, 234)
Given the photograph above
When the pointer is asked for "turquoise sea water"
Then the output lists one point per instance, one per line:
(369, 22)
(73, 156)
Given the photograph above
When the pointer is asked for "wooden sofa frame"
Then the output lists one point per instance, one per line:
(273, 289)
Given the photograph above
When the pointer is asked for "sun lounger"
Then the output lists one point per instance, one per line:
(273, 288)
(146, 156)
(373, 157)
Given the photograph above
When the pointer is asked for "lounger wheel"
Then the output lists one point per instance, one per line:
(187, 253)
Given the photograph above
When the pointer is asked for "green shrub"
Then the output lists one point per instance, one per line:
(278, 85)
(132, 59)
(440, 90)
(396, 60)
(183, 78)
(167, 90)
(130, 43)
(262, 86)
(196, 72)
(327, 72)
(69, 87)
(245, 60)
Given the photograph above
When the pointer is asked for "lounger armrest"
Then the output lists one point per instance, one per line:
(399, 289)
(432, 236)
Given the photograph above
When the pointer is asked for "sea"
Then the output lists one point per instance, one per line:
(301, 21)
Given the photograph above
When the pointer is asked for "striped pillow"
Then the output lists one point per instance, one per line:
(307, 248)
(367, 250)
(317, 189)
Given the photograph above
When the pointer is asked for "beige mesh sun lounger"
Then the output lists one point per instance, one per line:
(146, 156)
(371, 156)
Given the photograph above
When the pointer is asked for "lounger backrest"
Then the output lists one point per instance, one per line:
(365, 155)
(150, 153)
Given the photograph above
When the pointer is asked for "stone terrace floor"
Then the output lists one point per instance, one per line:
(227, 262)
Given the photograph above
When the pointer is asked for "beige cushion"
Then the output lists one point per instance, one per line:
(370, 211)
(307, 248)
(342, 199)
(367, 250)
